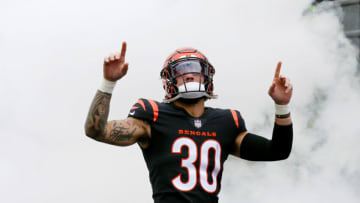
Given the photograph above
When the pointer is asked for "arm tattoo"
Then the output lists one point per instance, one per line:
(95, 125)
(122, 131)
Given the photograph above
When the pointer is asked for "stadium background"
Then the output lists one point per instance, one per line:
(51, 55)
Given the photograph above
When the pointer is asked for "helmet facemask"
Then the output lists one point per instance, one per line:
(190, 78)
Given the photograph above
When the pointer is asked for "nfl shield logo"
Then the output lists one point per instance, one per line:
(197, 123)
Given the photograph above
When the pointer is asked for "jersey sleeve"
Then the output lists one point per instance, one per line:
(238, 121)
(145, 109)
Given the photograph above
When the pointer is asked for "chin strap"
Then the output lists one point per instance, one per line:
(191, 90)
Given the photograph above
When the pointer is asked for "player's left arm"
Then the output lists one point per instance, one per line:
(256, 148)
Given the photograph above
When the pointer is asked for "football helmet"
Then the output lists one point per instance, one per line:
(184, 61)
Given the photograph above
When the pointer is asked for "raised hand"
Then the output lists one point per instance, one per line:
(114, 65)
(281, 88)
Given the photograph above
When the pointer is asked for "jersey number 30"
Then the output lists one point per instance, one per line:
(188, 163)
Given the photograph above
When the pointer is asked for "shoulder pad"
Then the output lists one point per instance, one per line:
(238, 120)
(145, 109)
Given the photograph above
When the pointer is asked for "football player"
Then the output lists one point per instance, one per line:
(185, 143)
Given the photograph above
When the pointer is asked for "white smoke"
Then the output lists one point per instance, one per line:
(51, 56)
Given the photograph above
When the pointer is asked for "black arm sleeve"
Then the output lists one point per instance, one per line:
(256, 148)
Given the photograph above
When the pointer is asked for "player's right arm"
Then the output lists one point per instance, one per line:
(118, 132)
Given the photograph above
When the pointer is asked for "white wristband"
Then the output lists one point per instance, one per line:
(107, 86)
(281, 109)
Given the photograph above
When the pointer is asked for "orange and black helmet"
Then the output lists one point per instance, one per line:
(168, 73)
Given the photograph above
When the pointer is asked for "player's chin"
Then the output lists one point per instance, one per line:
(190, 101)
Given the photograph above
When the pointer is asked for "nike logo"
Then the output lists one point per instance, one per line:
(132, 113)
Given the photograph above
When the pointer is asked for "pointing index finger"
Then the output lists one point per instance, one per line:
(277, 72)
(123, 51)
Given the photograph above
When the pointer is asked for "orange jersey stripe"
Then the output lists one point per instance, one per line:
(134, 107)
(236, 119)
(142, 104)
(155, 108)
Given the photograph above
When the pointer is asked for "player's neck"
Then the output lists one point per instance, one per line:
(195, 109)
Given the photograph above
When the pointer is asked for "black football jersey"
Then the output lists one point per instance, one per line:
(186, 154)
